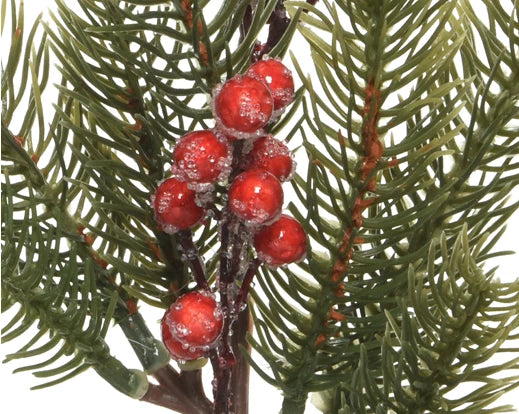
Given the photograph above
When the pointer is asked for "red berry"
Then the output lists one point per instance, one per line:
(281, 242)
(201, 157)
(242, 106)
(278, 79)
(272, 155)
(175, 206)
(177, 349)
(195, 319)
(256, 196)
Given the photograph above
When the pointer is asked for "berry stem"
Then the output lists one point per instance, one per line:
(193, 387)
(237, 160)
(190, 251)
(228, 224)
(179, 392)
(222, 358)
(241, 298)
(241, 371)
(222, 381)
(237, 249)
(231, 373)
(278, 24)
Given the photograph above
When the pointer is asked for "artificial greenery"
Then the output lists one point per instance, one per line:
(407, 136)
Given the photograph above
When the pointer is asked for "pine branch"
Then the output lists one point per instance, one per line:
(69, 291)
(375, 203)
(435, 342)
(410, 128)
(119, 111)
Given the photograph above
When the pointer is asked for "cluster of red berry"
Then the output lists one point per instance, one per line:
(242, 107)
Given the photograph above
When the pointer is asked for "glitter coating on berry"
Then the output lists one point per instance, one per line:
(278, 79)
(201, 157)
(195, 319)
(175, 206)
(272, 155)
(281, 242)
(256, 197)
(242, 106)
(178, 350)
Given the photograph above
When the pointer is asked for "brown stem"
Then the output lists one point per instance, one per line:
(241, 298)
(191, 382)
(222, 390)
(160, 396)
(241, 372)
(240, 243)
(230, 365)
(178, 392)
(278, 24)
(190, 251)
(222, 358)
(168, 377)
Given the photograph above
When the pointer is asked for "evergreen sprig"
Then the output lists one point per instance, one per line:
(390, 72)
(135, 76)
(60, 285)
(138, 77)
(409, 125)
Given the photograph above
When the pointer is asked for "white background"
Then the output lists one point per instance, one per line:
(88, 393)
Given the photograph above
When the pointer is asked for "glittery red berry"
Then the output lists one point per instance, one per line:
(272, 155)
(175, 206)
(256, 196)
(178, 350)
(278, 79)
(242, 106)
(281, 242)
(195, 320)
(201, 157)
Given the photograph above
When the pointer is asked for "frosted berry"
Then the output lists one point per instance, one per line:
(256, 196)
(201, 157)
(178, 350)
(242, 106)
(278, 79)
(195, 319)
(281, 242)
(272, 155)
(175, 206)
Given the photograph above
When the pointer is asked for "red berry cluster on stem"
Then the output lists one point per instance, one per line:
(250, 165)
